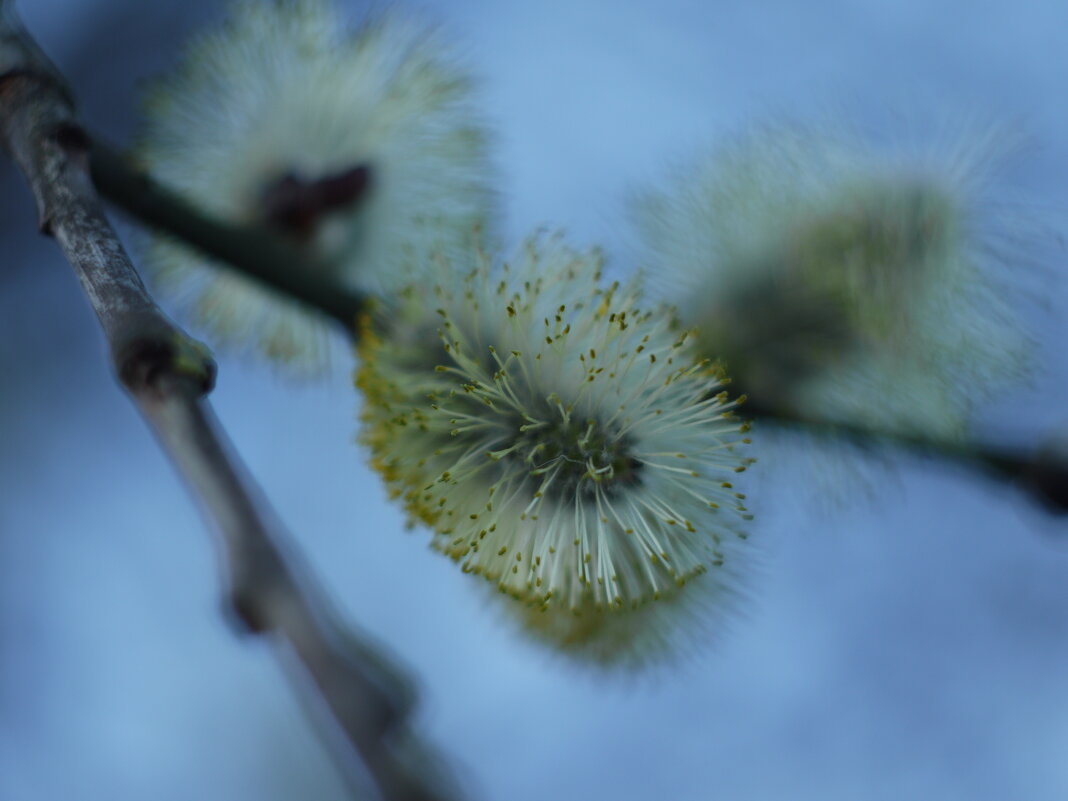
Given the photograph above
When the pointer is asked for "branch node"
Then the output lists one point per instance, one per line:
(72, 139)
(1047, 480)
(143, 361)
(245, 606)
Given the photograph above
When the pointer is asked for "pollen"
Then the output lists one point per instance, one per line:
(607, 494)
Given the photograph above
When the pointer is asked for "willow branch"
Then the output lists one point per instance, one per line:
(257, 251)
(1043, 474)
(167, 374)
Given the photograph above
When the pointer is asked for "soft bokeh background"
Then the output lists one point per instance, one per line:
(909, 640)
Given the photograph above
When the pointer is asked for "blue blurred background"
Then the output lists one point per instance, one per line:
(907, 638)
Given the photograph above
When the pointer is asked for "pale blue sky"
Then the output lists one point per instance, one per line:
(909, 640)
